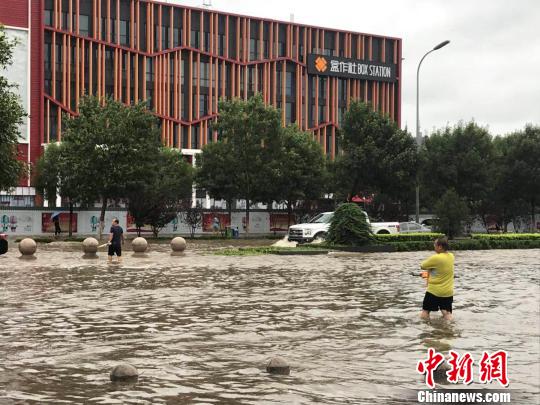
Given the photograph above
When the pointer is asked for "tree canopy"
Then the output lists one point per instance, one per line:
(157, 200)
(377, 156)
(110, 149)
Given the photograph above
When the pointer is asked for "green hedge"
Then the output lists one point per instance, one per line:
(407, 237)
(506, 236)
(471, 244)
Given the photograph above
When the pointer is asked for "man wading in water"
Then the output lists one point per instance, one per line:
(440, 280)
(116, 240)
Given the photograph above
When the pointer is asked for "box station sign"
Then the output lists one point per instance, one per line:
(335, 66)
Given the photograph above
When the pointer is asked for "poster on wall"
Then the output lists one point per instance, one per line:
(19, 223)
(279, 222)
(223, 220)
(47, 223)
(132, 226)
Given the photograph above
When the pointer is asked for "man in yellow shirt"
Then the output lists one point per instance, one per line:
(440, 280)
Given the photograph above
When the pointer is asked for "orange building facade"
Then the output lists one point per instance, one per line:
(182, 60)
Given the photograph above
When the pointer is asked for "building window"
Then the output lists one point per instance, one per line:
(203, 104)
(289, 85)
(194, 137)
(205, 82)
(289, 113)
(149, 82)
(322, 113)
(124, 32)
(48, 15)
(84, 25)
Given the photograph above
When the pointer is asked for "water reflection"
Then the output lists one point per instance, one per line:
(200, 328)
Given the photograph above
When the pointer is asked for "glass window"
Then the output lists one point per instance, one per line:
(84, 25)
(48, 15)
(124, 32)
(205, 82)
(289, 85)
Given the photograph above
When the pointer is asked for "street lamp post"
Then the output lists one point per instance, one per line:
(418, 137)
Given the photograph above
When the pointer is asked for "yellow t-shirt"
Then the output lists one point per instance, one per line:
(441, 274)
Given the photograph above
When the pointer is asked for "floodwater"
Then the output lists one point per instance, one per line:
(200, 328)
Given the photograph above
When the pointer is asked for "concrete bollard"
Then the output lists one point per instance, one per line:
(278, 365)
(27, 247)
(90, 247)
(124, 372)
(178, 245)
(439, 375)
(139, 246)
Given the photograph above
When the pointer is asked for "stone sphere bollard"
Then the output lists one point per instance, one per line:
(439, 374)
(278, 365)
(125, 373)
(178, 245)
(139, 246)
(90, 247)
(27, 247)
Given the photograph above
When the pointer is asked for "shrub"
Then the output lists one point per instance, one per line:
(506, 236)
(451, 212)
(471, 244)
(349, 227)
(406, 237)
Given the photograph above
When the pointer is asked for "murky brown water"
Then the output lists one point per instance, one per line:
(200, 328)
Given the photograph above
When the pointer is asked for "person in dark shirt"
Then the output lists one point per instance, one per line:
(57, 229)
(116, 240)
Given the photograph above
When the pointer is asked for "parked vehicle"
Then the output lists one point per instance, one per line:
(317, 228)
(413, 227)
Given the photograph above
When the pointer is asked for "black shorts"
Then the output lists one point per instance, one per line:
(434, 303)
(114, 248)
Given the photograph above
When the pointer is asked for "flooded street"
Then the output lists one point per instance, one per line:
(200, 328)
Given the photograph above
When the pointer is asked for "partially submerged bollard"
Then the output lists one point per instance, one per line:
(278, 365)
(178, 245)
(439, 374)
(90, 247)
(139, 246)
(124, 373)
(27, 247)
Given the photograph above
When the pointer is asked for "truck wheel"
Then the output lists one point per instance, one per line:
(320, 235)
(383, 232)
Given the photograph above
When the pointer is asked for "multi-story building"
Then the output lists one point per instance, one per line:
(182, 60)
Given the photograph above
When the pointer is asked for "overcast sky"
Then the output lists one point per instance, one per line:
(490, 72)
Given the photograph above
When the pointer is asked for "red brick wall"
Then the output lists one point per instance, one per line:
(14, 13)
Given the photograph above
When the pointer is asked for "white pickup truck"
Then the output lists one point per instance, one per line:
(318, 226)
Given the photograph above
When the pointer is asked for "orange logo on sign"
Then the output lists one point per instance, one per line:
(321, 64)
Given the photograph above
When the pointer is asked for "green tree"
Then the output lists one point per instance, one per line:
(461, 158)
(110, 148)
(11, 116)
(452, 212)
(349, 226)
(158, 199)
(520, 178)
(251, 129)
(52, 176)
(377, 157)
(47, 174)
(297, 169)
(192, 216)
(215, 171)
